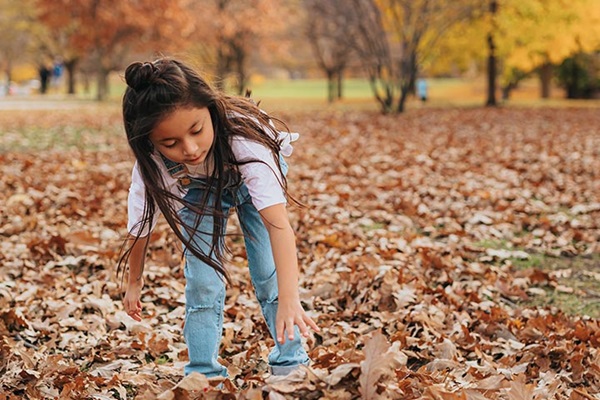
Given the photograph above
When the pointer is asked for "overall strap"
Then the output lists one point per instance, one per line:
(180, 172)
(176, 170)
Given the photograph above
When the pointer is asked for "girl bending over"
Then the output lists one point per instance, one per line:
(200, 153)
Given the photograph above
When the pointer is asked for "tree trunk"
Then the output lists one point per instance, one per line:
(242, 79)
(491, 67)
(491, 73)
(412, 86)
(404, 92)
(102, 84)
(409, 75)
(86, 83)
(546, 71)
(340, 77)
(222, 68)
(240, 69)
(8, 74)
(573, 83)
(506, 92)
(330, 86)
(386, 101)
(70, 68)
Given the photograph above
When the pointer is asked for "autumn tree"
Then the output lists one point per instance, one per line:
(372, 46)
(229, 34)
(17, 27)
(529, 36)
(491, 63)
(109, 30)
(59, 39)
(394, 37)
(539, 35)
(580, 76)
(328, 29)
(416, 26)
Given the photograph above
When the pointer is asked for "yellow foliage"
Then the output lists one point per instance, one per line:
(419, 26)
(527, 34)
(587, 31)
(538, 31)
(24, 72)
(459, 48)
(258, 79)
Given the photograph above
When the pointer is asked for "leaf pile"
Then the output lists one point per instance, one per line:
(412, 301)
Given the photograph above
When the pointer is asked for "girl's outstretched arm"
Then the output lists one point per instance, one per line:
(283, 243)
(135, 280)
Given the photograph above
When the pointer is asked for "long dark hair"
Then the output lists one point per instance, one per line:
(155, 90)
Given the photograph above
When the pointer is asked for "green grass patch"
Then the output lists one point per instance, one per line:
(308, 89)
(90, 126)
(311, 94)
(493, 244)
(59, 138)
(568, 303)
(534, 261)
(578, 279)
(374, 226)
(162, 359)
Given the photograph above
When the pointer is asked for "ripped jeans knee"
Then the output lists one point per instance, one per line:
(203, 330)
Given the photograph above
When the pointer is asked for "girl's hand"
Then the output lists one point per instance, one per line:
(131, 301)
(290, 313)
(283, 244)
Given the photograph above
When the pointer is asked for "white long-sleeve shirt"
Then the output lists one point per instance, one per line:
(262, 179)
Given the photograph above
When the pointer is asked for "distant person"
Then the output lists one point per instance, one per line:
(199, 153)
(422, 89)
(57, 72)
(44, 74)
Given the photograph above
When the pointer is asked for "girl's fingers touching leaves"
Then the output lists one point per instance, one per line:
(311, 323)
(290, 329)
(303, 328)
(280, 328)
(290, 317)
(134, 310)
(132, 302)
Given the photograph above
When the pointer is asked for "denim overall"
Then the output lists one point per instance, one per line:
(205, 288)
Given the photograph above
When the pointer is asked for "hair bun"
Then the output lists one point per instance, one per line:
(140, 75)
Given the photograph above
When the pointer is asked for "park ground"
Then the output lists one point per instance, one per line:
(310, 94)
(451, 252)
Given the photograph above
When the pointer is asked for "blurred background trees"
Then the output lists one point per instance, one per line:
(18, 26)
(389, 43)
(107, 32)
(329, 28)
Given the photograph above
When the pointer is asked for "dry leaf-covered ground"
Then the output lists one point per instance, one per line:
(425, 241)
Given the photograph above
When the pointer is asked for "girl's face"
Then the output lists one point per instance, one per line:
(184, 136)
